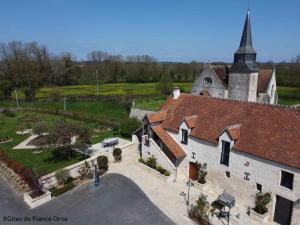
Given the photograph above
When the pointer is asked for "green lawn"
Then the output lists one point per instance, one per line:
(40, 161)
(291, 92)
(99, 137)
(108, 110)
(151, 104)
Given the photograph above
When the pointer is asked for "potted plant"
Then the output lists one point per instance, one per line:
(201, 178)
(117, 153)
(260, 211)
(102, 161)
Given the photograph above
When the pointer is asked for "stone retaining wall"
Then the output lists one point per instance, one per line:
(13, 178)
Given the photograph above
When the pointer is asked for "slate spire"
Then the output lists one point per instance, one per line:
(246, 40)
(245, 56)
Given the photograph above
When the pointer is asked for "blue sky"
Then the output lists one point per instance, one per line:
(177, 30)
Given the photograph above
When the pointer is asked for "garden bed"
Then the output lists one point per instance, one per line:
(5, 139)
(155, 172)
(157, 168)
(34, 202)
(58, 191)
(40, 141)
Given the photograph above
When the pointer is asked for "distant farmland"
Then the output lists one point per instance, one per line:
(287, 95)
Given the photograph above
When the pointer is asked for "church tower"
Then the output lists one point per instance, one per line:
(243, 74)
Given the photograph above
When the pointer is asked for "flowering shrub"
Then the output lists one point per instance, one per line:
(26, 174)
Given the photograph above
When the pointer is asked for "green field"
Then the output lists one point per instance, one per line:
(287, 96)
(109, 110)
(40, 161)
(105, 89)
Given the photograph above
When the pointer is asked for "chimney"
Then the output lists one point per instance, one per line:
(176, 92)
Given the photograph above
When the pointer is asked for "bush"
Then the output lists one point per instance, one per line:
(9, 113)
(151, 162)
(142, 161)
(165, 85)
(160, 169)
(117, 153)
(202, 173)
(40, 128)
(128, 126)
(62, 176)
(199, 213)
(167, 173)
(261, 202)
(86, 171)
(102, 161)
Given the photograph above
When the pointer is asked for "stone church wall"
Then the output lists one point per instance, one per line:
(216, 89)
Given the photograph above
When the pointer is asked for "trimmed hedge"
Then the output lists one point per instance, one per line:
(102, 162)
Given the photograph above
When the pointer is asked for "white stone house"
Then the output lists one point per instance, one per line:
(248, 147)
(243, 80)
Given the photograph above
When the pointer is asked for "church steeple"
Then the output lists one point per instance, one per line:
(245, 56)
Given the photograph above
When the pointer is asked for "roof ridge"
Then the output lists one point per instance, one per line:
(161, 111)
(287, 107)
(191, 117)
(234, 126)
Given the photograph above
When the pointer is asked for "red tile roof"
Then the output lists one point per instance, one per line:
(169, 142)
(157, 116)
(191, 121)
(205, 93)
(264, 78)
(267, 131)
(222, 72)
(234, 131)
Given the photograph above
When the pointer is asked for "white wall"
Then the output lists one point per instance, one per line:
(262, 171)
(269, 90)
(162, 159)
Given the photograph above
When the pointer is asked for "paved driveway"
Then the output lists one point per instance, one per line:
(117, 201)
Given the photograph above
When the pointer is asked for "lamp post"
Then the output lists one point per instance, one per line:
(189, 183)
(97, 178)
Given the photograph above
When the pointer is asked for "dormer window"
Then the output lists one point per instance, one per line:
(225, 153)
(184, 139)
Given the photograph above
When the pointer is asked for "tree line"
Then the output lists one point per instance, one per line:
(30, 66)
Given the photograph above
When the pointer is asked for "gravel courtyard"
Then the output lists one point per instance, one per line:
(117, 201)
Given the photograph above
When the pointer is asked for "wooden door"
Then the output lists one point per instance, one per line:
(283, 211)
(193, 171)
